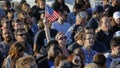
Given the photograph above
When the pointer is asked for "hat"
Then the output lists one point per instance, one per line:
(98, 9)
(117, 33)
(116, 15)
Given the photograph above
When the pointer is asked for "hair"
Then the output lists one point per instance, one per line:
(84, 35)
(58, 34)
(99, 59)
(19, 30)
(115, 41)
(80, 52)
(15, 49)
(79, 35)
(50, 43)
(58, 59)
(21, 62)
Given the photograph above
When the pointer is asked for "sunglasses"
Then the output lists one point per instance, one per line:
(61, 38)
(77, 61)
(21, 34)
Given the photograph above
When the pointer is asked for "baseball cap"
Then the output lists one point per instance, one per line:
(116, 15)
(117, 33)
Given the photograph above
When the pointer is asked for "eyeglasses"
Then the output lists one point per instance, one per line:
(61, 38)
(77, 61)
(21, 34)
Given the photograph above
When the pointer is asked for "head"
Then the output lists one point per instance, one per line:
(10, 13)
(22, 15)
(115, 46)
(61, 38)
(20, 35)
(88, 39)
(81, 18)
(53, 49)
(62, 16)
(17, 24)
(100, 60)
(116, 17)
(41, 3)
(16, 50)
(61, 62)
(6, 34)
(79, 2)
(75, 59)
(26, 7)
(98, 11)
(115, 2)
(26, 62)
(105, 23)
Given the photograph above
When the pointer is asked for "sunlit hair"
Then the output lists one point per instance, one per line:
(58, 34)
(15, 49)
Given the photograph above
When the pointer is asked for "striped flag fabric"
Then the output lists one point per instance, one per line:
(50, 14)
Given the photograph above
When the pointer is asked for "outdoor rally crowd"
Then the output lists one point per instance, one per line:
(82, 38)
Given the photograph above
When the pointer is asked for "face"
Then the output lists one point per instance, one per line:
(18, 25)
(62, 40)
(10, 14)
(21, 36)
(117, 21)
(105, 25)
(116, 2)
(89, 40)
(81, 21)
(76, 61)
(41, 3)
(54, 50)
(116, 50)
(6, 34)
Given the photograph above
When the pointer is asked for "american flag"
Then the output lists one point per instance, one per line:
(50, 14)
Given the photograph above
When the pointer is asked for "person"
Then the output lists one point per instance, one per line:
(116, 22)
(115, 51)
(21, 37)
(97, 14)
(60, 25)
(38, 9)
(115, 6)
(80, 22)
(40, 39)
(78, 42)
(6, 43)
(61, 62)
(60, 5)
(72, 15)
(99, 61)
(16, 51)
(53, 50)
(62, 40)
(89, 52)
(76, 60)
(104, 32)
(26, 62)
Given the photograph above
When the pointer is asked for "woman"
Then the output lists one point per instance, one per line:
(15, 52)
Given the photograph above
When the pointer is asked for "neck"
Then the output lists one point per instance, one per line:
(60, 21)
(88, 48)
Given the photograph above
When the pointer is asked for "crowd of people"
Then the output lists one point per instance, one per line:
(83, 38)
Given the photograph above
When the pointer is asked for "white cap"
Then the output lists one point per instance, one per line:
(117, 33)
(116, 15)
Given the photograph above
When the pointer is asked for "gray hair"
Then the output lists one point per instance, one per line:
(82, 14)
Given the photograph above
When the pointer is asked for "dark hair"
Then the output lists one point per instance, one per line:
(99, 59)
(115, 41)
(50, 43)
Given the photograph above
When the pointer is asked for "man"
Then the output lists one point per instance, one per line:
(114, 55)
(6, 43)
(88, 41)
(20, 36)
(97, 14)
(60, 25)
